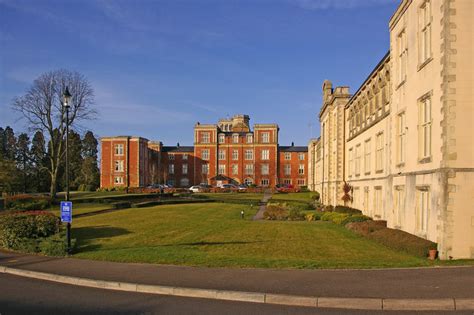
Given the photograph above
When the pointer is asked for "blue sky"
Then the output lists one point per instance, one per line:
(158, 67)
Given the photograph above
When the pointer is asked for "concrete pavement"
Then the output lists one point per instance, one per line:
(408, 289)
(263, 205)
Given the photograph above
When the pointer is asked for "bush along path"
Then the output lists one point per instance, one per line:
(263, 205)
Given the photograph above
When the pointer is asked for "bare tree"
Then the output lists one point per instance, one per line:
(43, 110)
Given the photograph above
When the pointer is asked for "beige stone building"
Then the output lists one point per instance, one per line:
(404, 141)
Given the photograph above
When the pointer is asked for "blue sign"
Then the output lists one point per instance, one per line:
(66, 211)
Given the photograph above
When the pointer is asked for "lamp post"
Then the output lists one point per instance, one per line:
(66, 98)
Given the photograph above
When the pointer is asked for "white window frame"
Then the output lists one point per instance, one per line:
(205, 154)
(185, 157)
(221, 169)
(205, 169)
(402, 49)
(301, 169)
(235, 155)
(287, 156)
(184, 169)
(424, 32)
(221, 154)
(235, 169)
(265, 154)
(118, 149)
(287, 169)
(264, 169)
(221, 138)
(367, 155)
(171, 157)
(399, 205)
(379, 148)
(357, 159)
(424, 127)
(401, 137)
(171, 169)
(249, 138)
(265, 137)
(118, 180)
(301, 156)
(235, 138)
(119, 166)
(422, 209)
(205, 137)
(249, 155)
(248, 169)
(264, 182)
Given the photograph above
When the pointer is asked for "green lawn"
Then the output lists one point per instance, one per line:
(300, 196)
(212, 234)
(80, 208)
(246, 197)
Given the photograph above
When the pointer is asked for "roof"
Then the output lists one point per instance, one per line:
(293, 149)
(178, 149)
(220, 177)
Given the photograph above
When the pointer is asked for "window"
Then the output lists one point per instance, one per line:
(185, 157)
(205, 137)
(205, 169)
(402, 56)
(422, 209)
(248, 181)
(301, 169)
(351, 162)
(265, 137)
(119, 166)
(249, 154)
(424, 36)
(249, 138)
(378, 203)
(205, 154)
(265, 182)
(170, 182)
(301, 156)
(366, 201)
(287, 169)
(119, 149)
(265, 169)
(265, 154)
(184, 169)
(118, 180)
(171, 169)
(399, 205)
(235, 155)
(221, 138)
(235, 138)
(171, 157)
(287, 156)
(424, 128)
(221, 169)
(300, 182)
(287, 181)
(248, 169)
(235, 169)
(379, 152)
(221, 154)
(357, 159)
(401, 138)
(367, 151)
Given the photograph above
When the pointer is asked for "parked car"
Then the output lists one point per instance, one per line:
(242, 187)
(195, 189)
(229, 186)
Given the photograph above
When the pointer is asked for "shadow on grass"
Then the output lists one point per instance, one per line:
(86, 235)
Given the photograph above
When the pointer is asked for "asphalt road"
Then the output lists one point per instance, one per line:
(20, 295)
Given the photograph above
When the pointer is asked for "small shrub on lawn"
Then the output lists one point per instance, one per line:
(349, 210)
(17, 226)
(328, 208)
(334, 217)
(295, 215)
(355, 218)
(366, 227)
(315, 196)
(400, 240)
(276, 212)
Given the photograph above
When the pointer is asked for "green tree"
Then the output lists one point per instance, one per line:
(23, 159)
(39, 162)
(75, 162)
(43, 110)
(90, 171)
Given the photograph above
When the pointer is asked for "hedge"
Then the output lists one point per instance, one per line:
(27, 202)
(169, 202)
(349, 210)
(403, 241)
(17, 227)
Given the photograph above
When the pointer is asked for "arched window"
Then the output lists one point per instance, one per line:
(184, 182)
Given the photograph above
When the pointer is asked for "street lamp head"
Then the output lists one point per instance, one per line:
(66, 97)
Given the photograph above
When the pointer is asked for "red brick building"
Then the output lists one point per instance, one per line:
(226, 152)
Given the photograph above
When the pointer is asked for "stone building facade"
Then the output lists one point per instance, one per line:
(407, 146)
(226, 152)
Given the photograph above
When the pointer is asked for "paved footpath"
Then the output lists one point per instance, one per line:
(263, 205)
(446, 288)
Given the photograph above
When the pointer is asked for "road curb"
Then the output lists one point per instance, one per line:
(445, 304)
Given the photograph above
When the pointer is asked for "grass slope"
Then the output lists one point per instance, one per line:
(213, 234)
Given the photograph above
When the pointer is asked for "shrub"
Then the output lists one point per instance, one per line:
(400, 240)
(275, 212)
(295, 215)
(315, 196)
(328, 208)
(55, 245)
(304, 188)
(355, 218)
(18, 226)
(344, 209)
(366, 227)
(27, 202)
